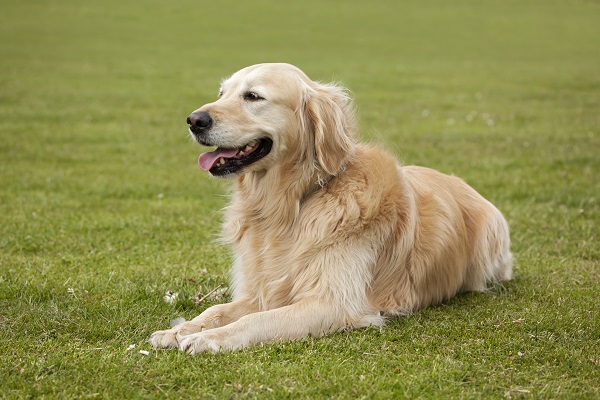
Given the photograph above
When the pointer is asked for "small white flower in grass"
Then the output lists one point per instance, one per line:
(131, 347)
(170, 297)
(144, 352)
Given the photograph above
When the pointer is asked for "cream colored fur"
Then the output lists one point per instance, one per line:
(329, 233)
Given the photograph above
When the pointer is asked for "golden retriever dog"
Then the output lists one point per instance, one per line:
(328, 233)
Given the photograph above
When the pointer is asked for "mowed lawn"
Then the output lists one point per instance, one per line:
(103, 210)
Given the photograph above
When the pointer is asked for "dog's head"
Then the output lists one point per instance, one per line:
(273, 115)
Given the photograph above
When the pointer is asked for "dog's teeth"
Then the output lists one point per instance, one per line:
(221, 161)
(251, 144)
(248, 147)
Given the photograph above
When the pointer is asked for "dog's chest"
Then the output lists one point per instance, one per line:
(273, 268)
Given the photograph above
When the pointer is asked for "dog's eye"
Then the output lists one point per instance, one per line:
(252, 96)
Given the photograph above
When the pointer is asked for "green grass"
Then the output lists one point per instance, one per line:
(102, 208)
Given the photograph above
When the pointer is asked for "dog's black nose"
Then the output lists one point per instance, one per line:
(199, 121)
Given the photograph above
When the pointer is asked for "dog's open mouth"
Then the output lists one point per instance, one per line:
(224, 161)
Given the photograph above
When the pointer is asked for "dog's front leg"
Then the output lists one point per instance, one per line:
(308, 317)
(213, 317)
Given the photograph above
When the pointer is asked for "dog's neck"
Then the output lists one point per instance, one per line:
(320, 183)
(277, 195)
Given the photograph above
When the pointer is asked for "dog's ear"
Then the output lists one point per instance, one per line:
(331, 118)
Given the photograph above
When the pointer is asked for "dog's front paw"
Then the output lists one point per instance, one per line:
(212, 341)
(164, 339)
(198, 343)
(170, 337)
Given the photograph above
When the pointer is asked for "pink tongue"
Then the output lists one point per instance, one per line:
(207, 160)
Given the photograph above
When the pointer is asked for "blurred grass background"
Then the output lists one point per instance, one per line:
(102, 207)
